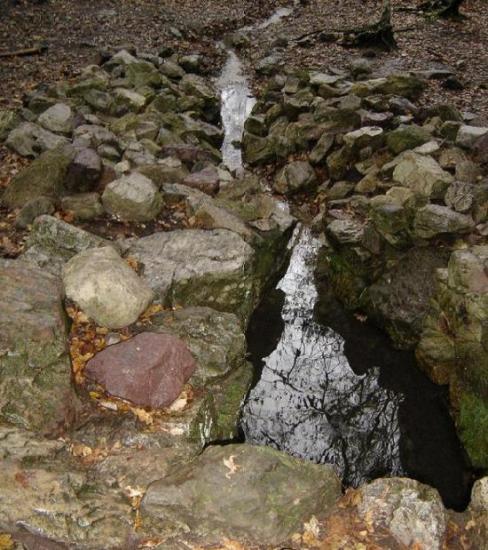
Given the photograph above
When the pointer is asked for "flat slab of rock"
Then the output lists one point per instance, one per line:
(196, 267)
(149, 370)
(105, 287)
(257, 493)
(35, 372)
(434, 219)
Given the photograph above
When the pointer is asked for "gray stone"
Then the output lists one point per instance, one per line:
(132, 198)
(29, 140)
(105, 287)
(84, 206)
(35, 373)
(195, 267)
(8, 121)
(422, 174)
(346, 231)
(460, 196)
(479, 495)
(368, 136)
(411, 511)
(469, 135)
(59, 119)
(242, 491)
(434, 219)
(52, 242)
(323, 146)
(295, 177)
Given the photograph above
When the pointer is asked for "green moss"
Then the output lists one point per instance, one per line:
(473, 428)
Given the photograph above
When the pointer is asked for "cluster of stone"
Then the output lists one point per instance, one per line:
(404, 194)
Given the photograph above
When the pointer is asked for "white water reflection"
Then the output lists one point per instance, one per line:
(237, 104)
(309, 402)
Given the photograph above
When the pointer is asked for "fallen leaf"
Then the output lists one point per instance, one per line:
(231, 465)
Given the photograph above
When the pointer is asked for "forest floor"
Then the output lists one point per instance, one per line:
(76, 31)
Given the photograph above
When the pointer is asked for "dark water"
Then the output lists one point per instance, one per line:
(331, 389)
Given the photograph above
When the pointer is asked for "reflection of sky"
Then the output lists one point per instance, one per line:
(237, 104)
(309, 402)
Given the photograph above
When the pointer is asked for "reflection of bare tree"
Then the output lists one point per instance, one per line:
(309, 402)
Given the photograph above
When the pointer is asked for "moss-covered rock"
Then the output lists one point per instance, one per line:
(44, 177)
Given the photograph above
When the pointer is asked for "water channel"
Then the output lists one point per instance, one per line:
(328, 387)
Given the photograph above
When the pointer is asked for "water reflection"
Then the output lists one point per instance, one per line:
(308, 401)
(237, 103)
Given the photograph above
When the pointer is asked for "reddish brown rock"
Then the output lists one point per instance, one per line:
(206, 180)
(148, 370)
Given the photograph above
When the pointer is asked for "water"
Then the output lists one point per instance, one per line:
(308, 401)
(328, 387)
(237, 103)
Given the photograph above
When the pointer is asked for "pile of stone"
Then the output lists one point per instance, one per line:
(404, 194)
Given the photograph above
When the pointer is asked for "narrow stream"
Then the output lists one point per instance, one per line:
(329, 388)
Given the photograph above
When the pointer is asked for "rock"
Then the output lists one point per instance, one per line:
(105, 287)
(191, 63)
(201, 268)
(412, 512)
(239, 491)
(8, 121)
(400, 84)
(434, 219)
(468, 171)
(360, 67)
(84, 172)
(205, 180)
(168, 170)
(270, 64)
(323, 146)
(295, 177)
(84, 206)
(75, 509)
(148, 370)
(29, 140)
(142, 73)
(35, 372)
(52, 242)
(340, 190)
(423, 175)
(214, 338)
(407, 137)
(469, 135)
(460, 196)
(479, 495)
(43, 177)
(261, 150)
(399, 300)
(367, 136)
(346, 231)
(172, 70)
(339, 162)
(128, 100)
(390, 219)
(132, 198)
(59, 119)
(95, 135)
(32, 209)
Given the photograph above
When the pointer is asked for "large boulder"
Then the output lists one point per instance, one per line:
(407, 137)
(35, 372)
(148, 370)
(44, 177)
(256, 494)
(468, 136)
(195, 267)
(105, 287)
(423, 175)
(452, 349)
(132, 198)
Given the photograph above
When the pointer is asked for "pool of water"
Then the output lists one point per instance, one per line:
(331, 389)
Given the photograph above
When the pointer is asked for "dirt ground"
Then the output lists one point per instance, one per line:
(423, 43)
(76, 30)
